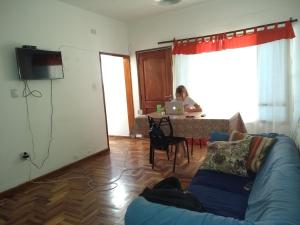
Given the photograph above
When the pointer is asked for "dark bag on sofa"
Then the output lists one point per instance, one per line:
(168, 183)
(169, 192)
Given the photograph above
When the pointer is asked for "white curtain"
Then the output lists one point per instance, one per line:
(275, 96)
(255, 81)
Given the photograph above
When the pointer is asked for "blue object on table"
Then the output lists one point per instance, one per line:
(218, 136)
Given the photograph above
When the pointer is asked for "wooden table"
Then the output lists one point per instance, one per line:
(192, 124)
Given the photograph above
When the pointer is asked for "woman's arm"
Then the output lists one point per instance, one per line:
(196, 108)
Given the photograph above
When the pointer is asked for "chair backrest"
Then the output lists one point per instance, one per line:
(157, 134)
(166, 125)
(163, 123)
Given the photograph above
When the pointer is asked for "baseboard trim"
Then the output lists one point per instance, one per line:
(10, 192)
(118, 136)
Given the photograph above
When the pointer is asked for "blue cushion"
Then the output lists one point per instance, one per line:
(223, 181)
(219, 202)
(210, 187)
(218, 136)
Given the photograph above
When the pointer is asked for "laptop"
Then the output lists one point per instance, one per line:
(174, 108)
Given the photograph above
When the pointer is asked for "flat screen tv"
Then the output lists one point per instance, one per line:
(36, 64)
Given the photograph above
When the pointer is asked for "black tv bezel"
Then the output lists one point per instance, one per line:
(37, 50)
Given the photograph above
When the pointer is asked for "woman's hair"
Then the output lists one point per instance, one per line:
(180, 89)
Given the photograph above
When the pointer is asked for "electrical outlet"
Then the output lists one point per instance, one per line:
(24, 155)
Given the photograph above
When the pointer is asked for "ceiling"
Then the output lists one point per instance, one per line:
(129, 10)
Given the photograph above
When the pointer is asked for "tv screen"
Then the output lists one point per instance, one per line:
(35, 64)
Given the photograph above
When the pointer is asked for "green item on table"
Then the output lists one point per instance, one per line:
(158, 108)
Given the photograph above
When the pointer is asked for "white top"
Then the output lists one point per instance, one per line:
(189, 102)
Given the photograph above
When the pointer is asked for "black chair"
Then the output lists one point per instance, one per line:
(161, 138)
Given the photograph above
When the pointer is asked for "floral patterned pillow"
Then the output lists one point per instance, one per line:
(258, 150)
(228, 157)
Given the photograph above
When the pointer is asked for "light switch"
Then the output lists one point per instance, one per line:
(14, 93)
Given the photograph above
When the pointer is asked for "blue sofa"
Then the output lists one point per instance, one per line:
(274, 198)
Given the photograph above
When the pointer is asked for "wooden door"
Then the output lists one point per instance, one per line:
(129, 95)
(155, 77)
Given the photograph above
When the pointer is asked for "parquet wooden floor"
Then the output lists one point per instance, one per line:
(85, 194)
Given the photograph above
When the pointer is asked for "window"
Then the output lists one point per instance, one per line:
(251, 80)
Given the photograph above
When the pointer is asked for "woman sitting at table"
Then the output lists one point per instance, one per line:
(189, 104)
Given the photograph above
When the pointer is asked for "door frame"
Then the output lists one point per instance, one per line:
(128, 87)
(137, 67)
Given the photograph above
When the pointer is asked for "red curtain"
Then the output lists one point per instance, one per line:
(220, 42)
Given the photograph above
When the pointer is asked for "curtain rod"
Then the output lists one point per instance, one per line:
(234, 31)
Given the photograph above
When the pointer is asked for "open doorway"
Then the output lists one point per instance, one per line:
(117, 90)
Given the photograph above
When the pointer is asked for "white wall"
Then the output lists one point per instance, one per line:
(214, 16)
(79, 123)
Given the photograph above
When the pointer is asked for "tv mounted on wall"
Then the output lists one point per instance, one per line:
(36, 64)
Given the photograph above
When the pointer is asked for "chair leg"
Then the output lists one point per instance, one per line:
(153, 150)
(151, 155)
(183, 144)
(187, 150)
(176, 150)
(167, 151)
(192, 149)
(171, 150)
